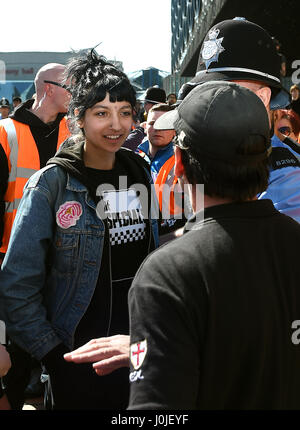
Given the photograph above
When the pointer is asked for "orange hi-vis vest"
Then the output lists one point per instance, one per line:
(23, 161)
(166, 197)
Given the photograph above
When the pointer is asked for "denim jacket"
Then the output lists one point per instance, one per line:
(45, 291)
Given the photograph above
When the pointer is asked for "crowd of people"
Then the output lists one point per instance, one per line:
(149, 250)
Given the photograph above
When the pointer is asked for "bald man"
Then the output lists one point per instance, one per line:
(40, 125)
(28, 138)
(51, 97)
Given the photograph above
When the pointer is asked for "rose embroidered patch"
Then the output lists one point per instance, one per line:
(68, 214)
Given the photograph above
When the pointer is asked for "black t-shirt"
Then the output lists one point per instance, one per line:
(212, 312)
(125, 246)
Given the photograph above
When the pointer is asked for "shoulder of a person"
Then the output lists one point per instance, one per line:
(138, 130)
(166, 267)
(134, 157)
(165, 255)
(48, 175)
(5, 122)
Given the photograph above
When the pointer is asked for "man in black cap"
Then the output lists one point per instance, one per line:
(242, 51)
(211, 312)
(16, 101)
(154, 95)
(4, 108)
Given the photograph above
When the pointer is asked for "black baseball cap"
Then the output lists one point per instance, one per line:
(155, 95)
(237, 49)
(215, 118)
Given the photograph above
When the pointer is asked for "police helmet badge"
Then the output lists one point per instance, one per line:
(212, 47)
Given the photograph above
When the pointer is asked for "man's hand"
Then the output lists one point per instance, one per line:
(5, 363)
(106, 353)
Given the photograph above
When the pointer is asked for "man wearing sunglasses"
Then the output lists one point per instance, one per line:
(28, 138)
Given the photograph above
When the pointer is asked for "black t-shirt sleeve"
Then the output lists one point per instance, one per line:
(163, 314)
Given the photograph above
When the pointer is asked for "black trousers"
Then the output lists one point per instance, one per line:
(17, 378)
(78, 387)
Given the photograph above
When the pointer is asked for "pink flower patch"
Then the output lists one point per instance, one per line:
(68, 214)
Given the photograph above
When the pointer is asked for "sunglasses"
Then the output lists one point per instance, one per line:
(57, 84)
(285, 130)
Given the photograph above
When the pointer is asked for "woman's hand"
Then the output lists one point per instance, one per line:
(106, 353)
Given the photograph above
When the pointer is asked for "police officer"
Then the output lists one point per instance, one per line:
(4, 108)
(241, 51)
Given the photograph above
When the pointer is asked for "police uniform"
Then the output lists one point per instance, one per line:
(237, 49)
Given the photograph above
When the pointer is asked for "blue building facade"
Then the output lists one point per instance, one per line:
(191, 20)
(145, 78)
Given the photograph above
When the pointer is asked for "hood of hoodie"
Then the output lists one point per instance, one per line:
(23, 114)
(70, 158)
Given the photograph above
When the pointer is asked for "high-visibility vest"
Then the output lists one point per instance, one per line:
(23, 161)
(166, 198)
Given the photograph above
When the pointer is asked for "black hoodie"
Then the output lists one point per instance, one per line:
(45, 135)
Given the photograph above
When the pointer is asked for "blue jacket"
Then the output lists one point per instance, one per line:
(45, 291)
(284, 182)
(161, 156)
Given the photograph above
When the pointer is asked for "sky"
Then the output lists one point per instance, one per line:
(136, 32)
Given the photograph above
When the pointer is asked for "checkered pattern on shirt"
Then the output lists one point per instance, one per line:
(125, 236)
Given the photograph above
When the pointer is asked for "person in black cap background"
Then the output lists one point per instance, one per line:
(211, 312)
(153, 95)
(4, 108)
(16, 101)
(241, 51)
(171, 99)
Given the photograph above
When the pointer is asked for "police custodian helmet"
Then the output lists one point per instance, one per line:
(237, 49)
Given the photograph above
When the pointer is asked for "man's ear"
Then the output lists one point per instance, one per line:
(264, 94)
(179, 169)
(48, 89)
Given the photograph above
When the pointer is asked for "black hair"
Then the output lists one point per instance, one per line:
(91, 77)
(223, 179)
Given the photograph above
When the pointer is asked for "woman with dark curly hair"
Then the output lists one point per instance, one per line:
(81, 232)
